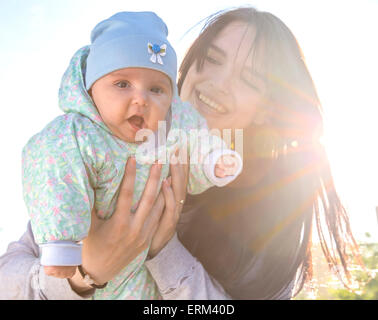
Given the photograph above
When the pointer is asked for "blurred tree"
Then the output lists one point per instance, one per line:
(370, 290)
(326, 286)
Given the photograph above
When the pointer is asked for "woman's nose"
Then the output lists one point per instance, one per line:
(222, 81)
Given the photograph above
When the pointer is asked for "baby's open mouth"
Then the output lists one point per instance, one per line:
(136, 122)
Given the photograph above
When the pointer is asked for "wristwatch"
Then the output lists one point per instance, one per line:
(89, 281)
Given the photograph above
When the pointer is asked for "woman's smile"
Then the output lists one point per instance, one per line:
(220, 91)
(207, 104)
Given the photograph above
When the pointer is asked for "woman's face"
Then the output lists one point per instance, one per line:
(228, 92)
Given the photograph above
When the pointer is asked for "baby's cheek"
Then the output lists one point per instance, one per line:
(155, 117)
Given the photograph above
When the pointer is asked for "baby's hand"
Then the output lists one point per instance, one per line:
(226, 165)
(60, 271)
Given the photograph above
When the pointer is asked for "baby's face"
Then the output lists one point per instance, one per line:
(131, 99)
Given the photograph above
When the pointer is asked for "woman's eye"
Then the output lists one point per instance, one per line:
(250, 81)
(157, 90)
(213, 60)
(251, 85)
(123, 84)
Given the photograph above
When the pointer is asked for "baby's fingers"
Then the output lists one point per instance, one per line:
(227, 161)
(219, 172)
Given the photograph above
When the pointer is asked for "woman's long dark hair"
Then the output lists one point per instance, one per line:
(297, 191)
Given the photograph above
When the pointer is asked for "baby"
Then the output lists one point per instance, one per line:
(124, 82)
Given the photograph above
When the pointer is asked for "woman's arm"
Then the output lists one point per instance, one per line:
(22, 277)
(179, 276)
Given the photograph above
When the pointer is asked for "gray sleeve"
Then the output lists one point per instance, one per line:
(22, 277)
(179, 276)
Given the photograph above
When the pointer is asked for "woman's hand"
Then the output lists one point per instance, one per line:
(112, 244)
(174, 190)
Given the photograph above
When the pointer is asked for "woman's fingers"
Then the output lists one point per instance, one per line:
(149, 195)
(126, 191)
(167, 225)
(179, 176)
(156, 212)
(169, 218)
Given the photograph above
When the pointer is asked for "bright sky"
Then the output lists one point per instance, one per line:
(38, 38)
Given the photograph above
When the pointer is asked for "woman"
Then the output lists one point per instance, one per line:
(253, 238)
(247, 71)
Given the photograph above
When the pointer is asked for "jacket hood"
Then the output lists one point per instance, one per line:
(73, 96)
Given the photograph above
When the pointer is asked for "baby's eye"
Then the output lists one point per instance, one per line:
(157, 90)
(123, 84)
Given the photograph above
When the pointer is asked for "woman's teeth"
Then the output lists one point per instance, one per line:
(212, 104)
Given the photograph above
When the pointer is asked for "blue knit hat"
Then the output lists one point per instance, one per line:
(130, 39)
